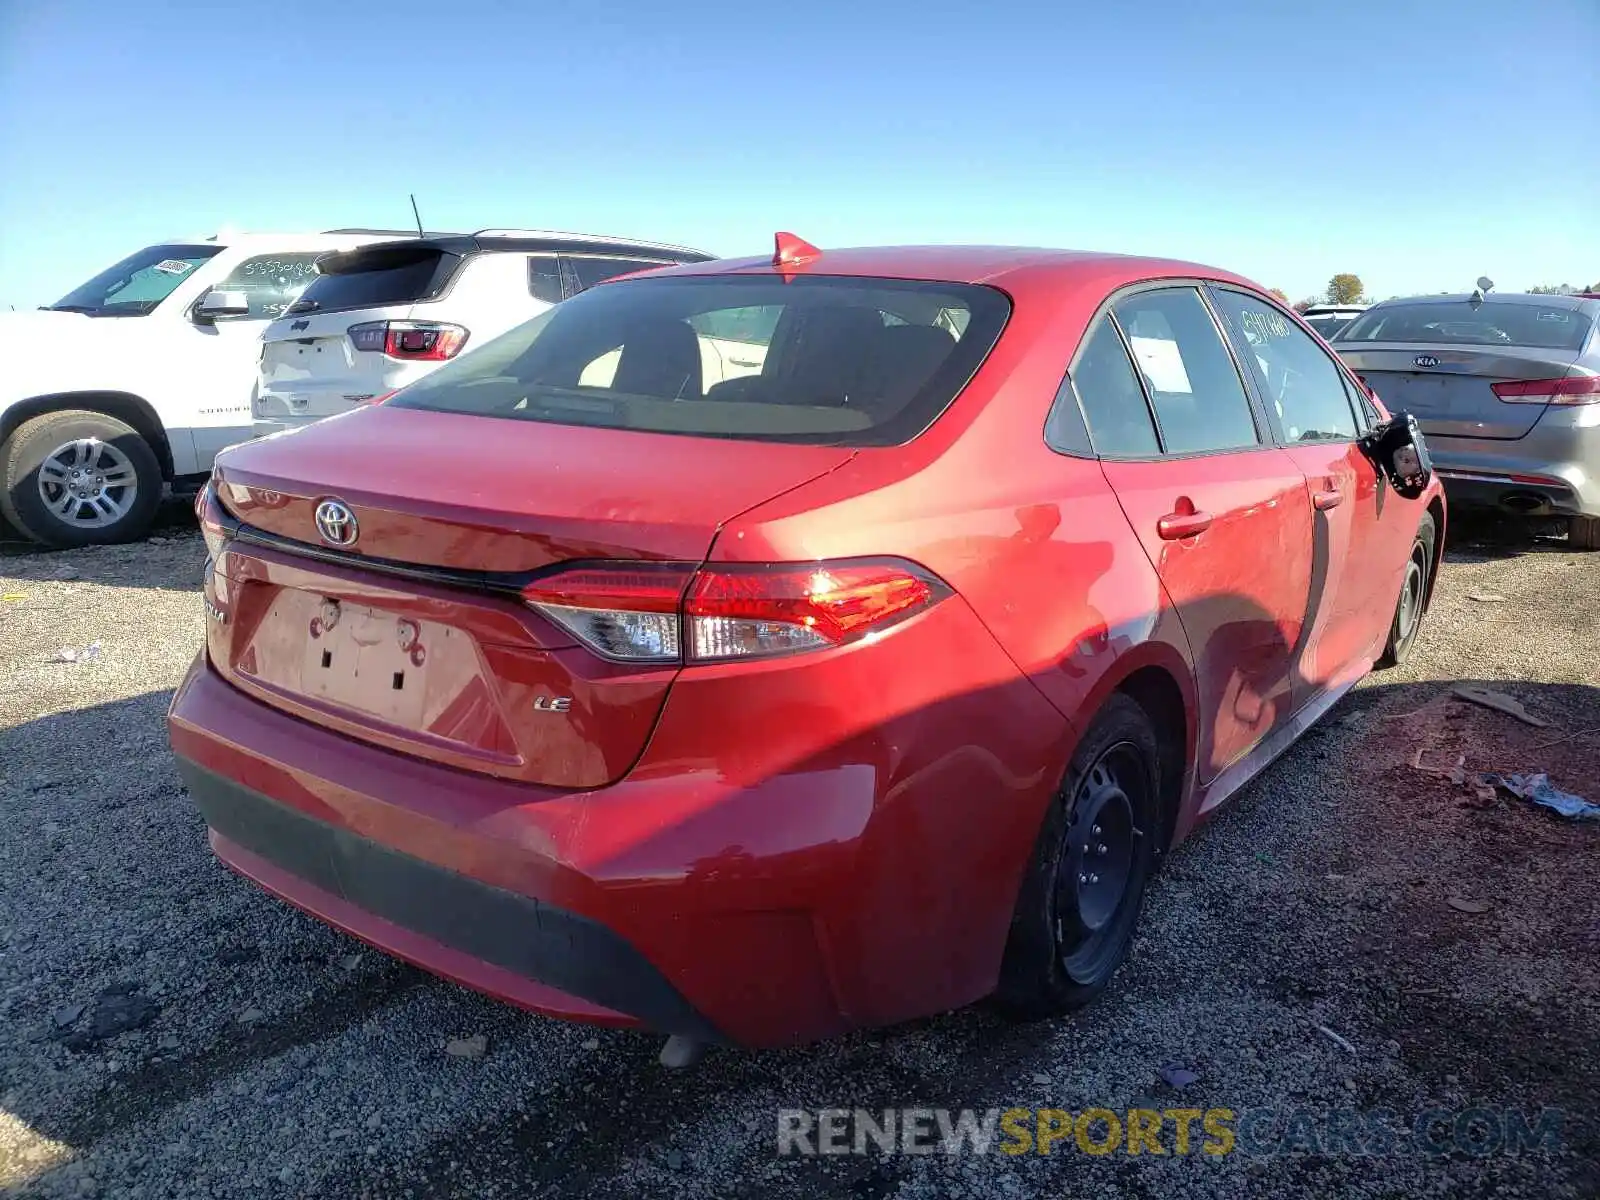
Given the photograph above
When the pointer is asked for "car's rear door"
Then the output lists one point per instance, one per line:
(1356, 549)
(1220, 511)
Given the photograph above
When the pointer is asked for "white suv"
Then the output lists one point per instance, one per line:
(383, 316)
(1329, 319)
(136, 379)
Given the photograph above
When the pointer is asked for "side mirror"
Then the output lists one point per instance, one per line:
(1398, 450)
(216, 304)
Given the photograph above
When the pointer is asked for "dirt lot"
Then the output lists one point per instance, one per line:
(1354, 934)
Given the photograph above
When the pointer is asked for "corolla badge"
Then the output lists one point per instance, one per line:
(337, 524)
(1425, 360)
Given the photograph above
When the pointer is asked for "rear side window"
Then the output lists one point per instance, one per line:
(586, 272)
(544, 278)
(824, 360)
(1299, 381)
(1462, 323)
(1198, 396)
(271, 282)
(376, 278)
(1112, 401)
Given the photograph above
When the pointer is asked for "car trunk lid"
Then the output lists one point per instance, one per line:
(1450, 388)
(415, 637)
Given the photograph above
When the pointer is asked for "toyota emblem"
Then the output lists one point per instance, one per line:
(1425, 360)
(336, 523)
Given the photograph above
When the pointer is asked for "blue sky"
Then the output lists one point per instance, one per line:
(1417, 144)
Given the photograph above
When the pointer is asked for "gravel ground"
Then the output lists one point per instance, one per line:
(168, 1030)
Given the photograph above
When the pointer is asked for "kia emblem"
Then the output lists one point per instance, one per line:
(1426, 360)
(336, 523)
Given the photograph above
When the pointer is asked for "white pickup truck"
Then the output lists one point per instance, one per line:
(131, 383)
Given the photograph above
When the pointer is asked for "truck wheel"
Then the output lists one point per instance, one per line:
(1583, 533)
(78, 478)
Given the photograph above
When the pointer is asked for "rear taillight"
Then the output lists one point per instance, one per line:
(413, 341)
(208, 511)
(644, 612)
(1585, 389)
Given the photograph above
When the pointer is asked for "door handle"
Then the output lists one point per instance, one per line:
(1185, 522)
(1324, 500)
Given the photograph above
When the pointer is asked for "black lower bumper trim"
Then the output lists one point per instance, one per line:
(562, 950)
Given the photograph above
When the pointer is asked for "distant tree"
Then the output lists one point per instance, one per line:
(1280, 294)
(1301, 305)
(1564, 289)
(1344, 289)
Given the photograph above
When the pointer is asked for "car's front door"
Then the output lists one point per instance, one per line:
(1220, 512)
(1304, 393)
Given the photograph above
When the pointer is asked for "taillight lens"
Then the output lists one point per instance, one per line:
(629, 612)
(640, 612)
(1583, 390)
(734, 613)
(208, 511)
(413, 341)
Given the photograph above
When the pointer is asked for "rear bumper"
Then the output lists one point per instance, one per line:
(1553, 470)
(761, 876)
(483, 936)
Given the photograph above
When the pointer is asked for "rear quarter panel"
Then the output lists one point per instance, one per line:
(1033, 541)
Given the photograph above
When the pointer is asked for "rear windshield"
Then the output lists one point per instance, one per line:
(376, 278)
(823, 360)
(1328, 324)
(1459, 322)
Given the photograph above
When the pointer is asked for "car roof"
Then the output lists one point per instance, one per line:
(542, 240)
(1585, 303)
(995, 265)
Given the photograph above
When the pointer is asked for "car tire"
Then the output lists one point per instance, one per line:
(1084, 888)
(1583, 533)
(120, 480)
(1412, 603)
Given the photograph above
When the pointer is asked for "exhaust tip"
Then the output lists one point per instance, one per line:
(1524, 503)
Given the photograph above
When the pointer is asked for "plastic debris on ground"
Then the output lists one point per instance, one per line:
(69, 654)
(1500, 702)
(1176, 1076)
(1538, 788)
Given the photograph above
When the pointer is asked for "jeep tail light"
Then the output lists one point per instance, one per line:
(643, 612)
(411, 341)
(1585, 389)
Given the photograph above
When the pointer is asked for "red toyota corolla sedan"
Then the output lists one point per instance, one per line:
(759, 649)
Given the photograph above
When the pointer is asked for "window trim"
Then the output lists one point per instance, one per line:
(1241, 346)
(1266, 433)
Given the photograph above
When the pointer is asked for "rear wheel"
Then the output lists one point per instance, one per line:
(1413, 599)
(78, 478)
(1084, 889)
(1583, 533)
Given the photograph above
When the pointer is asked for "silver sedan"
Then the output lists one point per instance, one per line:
(1507, 390)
